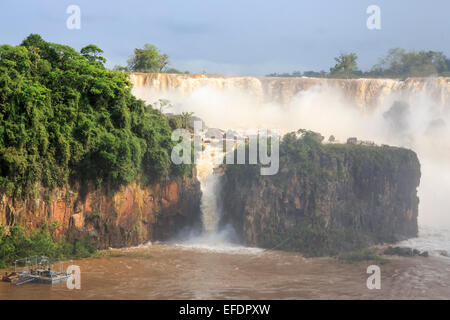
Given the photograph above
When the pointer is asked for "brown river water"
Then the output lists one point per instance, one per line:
(162, 271)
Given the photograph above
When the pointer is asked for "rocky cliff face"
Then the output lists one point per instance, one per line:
(335, 198)
(128, 217)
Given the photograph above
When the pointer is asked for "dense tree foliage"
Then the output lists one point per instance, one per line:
(175, 71)
(17, 244)
(325, 199)
(345, 65)
(64, 116)
(148, 59)
(93, 53)
(398, 63)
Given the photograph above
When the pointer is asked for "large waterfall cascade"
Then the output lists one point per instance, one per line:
(364, 108)
(209, 159)
(365, 93)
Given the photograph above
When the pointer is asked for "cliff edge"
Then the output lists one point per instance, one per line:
(111, 218)
(325, 199)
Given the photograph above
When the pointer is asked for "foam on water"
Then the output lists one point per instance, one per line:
(219, 241)
(435, 240)
(140, 246)
(219, 247)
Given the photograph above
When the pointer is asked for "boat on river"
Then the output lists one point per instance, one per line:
(38, 269)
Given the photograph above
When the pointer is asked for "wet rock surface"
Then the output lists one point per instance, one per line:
(405, 252)
(331, 199)
(131, 216)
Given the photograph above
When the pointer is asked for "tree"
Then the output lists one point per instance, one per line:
(314, 74)
(345, 66)
(65, 117)
(93, 53)
(33, 40)
(120, 68)
(173, 70)
(400, 63)
(163, 104)
(148, 59)
(185, 117)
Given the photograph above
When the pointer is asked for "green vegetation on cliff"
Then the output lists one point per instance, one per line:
(148, 59)
(326, 198)
(398, 63)
(66, 121)
(17, 244)
(65, 117)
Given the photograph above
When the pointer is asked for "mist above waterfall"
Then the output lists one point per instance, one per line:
(414, 114)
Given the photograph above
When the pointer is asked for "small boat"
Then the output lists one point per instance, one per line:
(24, 279)
(39, 276)
(36, 269)
(51, 277)
(9, 277)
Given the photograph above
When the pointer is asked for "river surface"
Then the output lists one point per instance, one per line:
(171, 271)
(209, 267)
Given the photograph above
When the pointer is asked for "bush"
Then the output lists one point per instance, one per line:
(64, 116)
(361, 256)
(18, 244)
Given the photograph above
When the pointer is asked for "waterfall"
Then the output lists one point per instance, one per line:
(366, 94)
(213, 237)
(209, 159)
(339, 107)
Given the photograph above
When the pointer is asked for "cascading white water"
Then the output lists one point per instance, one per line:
(342, 108)
(213, 238)
(209, 159)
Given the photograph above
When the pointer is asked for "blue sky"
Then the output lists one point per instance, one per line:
(235, 37)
